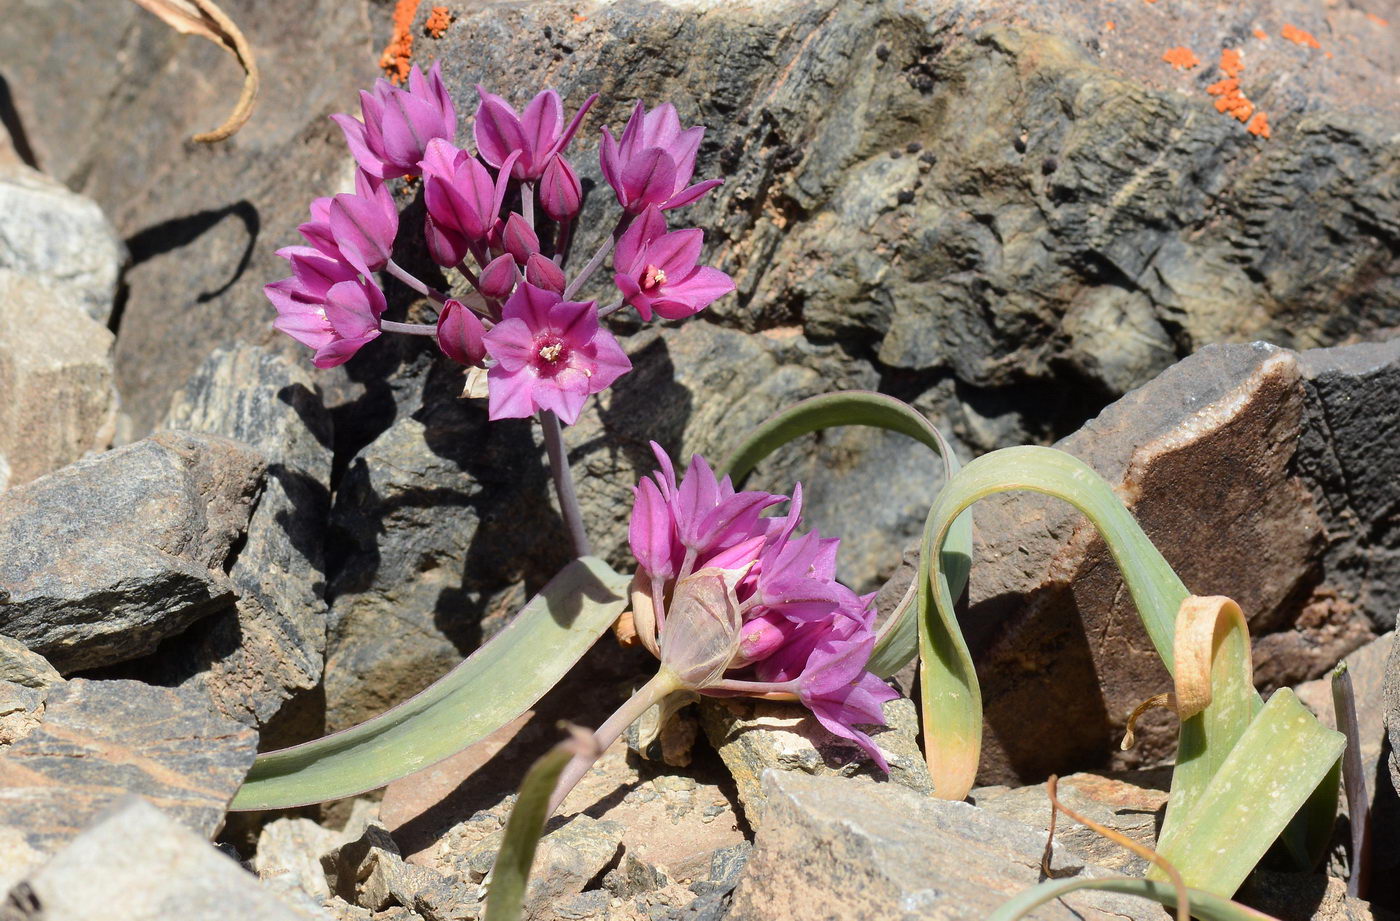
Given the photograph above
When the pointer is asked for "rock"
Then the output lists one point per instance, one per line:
(21, 665)
(101, 560)
(253, 661)
(828, 848)
(290, 851)
(21, 710)
(100, 740)
(1305, 897)
(1367, 669)
(1132, 807)
(369, 872)
(56, 372)
(60, 240)
(1052, 628)
(572, 858)
(754, 736)
(137, 864)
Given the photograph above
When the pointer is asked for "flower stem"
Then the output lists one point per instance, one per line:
(562, 242)
(662, 684)
(611, 309)
(398, 271)
(564, 482)
(592, 265)
(527, 203)
(412, 329)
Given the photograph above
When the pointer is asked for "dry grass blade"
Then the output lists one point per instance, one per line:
(1183, 898)
(1166, 701)
(1201, 624)
(205, 19)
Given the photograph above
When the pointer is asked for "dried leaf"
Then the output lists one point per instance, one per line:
(205, 19)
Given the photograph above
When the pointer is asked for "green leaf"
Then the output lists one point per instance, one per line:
(1270, 772)
(952, 698)
(511, 873)
(897, 644)
(1204, 905)
(493, 686)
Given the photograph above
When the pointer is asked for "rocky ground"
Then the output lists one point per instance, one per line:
(1017, 217)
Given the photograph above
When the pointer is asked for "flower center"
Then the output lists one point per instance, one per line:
(553, 354)
(653, 278)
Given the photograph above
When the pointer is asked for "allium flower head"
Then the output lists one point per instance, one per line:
(653, 161)
(463, 201)
(754, 590)
(398, 124)
(537, 134)
(550, 355)
(658, 271)
(325, 306)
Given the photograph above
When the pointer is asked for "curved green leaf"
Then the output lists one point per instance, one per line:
(952, 698)
(898, 643)
(511, 874)
(1204, 905)
(493, 686)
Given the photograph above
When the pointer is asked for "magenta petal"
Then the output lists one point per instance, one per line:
(561, 194)
(519, 239)
(511, 342)
(499, 277)
(633, 294)
(686, 196)
(510, 393)
(677, 252)
(531, 305)
(608, 161)
(648, 178)
(650, 531)
(363, 232)
(609, 361)
(540, 124)
(354, 131)
(353, 309)
(631, 142)
(660, 127)
(460, 334)
(446, 247)
(497, 129)
(636, 238)
(574, 322)
(692, 293)
(341, 350)
(543, 273)
(683, 150)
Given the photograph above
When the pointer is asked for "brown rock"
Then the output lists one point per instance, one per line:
(56, 374)
(100, 740)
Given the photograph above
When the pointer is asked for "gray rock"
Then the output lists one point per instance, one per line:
(1306, 897)
(1367, 667)
(754, 737)
(136, 864)
(101, 560)
(60, 239)
(253, 661)
(100, 740)
(56, 372)
(369, 872)
(828, 848)
(21, 665)
(290, 850)
(21, 710)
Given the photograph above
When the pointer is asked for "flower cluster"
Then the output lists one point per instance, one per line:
(502, 217)
(734, 602)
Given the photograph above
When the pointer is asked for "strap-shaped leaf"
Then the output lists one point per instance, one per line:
(1204, 905)
(511, 873)
(952, 698)
(493, 686)
(897, 644)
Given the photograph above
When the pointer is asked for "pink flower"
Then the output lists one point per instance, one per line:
(657, 270)
(364, 226)
(499, 276)
(800, 632)
(325, 306)
(398, 124)
(463, 201)
(536, 136)
(561, 194)
(459, 334)
(550, 355)
(653, 161)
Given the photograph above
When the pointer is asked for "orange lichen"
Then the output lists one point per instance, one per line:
(1261, 35)
(1259, 127)
(1298, 36)
(1230, 99)
(1109, 26)
(1181, 58)
(439, 18)
(1377, 20)
(398, 54)
(579, 17)
(1231, 62)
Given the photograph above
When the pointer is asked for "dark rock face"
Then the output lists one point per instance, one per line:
(100, 740)
(106, 557)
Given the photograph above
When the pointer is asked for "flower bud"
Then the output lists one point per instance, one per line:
(700, 637)
(459, 333)
(446, 247)
(519, 239)
(561, 195)
(543, 273)
(499, 277)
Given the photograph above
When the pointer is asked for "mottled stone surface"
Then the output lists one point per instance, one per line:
(253, 660)
(60, 240)
(756, 736)
(137, 864)
(100, 740)
(56, 374)
(21, 665)
(101, 560)
(828, 848)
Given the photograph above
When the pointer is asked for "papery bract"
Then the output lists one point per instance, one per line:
(653, 161)
(657, 270)
(399, 124)
(550, 355)
(536, 135)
